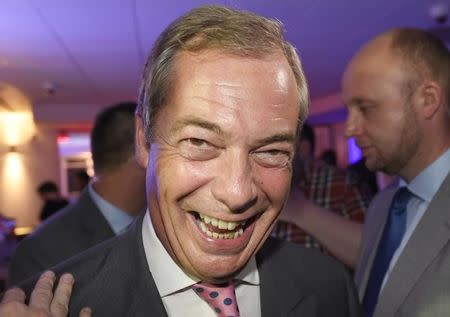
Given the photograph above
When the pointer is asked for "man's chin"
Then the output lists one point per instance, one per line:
(372, 164)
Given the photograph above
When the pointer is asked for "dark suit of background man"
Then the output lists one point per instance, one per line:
(397, 92)
(105, 208)
(222, 98)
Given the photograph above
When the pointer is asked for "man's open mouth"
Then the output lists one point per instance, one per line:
(220, 229)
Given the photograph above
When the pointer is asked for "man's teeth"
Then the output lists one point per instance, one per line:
(229, 225)
(224, 225)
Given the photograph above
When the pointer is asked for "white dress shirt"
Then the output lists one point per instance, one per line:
(117, 218)
(174, 285)
(424, 186)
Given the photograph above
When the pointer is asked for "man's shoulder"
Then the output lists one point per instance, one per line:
(104, 273)
(309, 262)
(83, 266)
(298, 272)
(61, 225)
(55, 240)
(93, 261)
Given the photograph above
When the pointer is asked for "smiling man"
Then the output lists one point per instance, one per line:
(222, 99)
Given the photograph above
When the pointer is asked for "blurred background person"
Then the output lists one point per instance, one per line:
(328, 157)
(53, 201)
(365, 178)
(325, 209)
(105, 208)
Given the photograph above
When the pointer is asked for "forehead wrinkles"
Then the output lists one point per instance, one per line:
(226, 94)
(237, 100)
(239, 90)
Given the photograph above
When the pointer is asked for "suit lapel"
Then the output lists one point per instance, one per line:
(430, 236)
(146, 299)
(379, 214)
(279, 294)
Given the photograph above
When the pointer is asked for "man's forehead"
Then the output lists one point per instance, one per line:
(375, 52)
(371, 65)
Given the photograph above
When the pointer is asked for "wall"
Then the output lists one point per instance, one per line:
(22, 171)
(331, 136)
(328, 115)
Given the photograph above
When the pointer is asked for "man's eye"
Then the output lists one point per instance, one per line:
(365, 110)
(197, 149)
(197, 142)
(273, 158)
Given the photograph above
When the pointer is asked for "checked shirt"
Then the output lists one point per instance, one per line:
(328, 187)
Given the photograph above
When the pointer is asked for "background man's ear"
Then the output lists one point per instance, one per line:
(432, 94)
(141, 145)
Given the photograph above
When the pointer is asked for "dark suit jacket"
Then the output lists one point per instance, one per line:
(72, 230)
(419, 284)
(114, 279)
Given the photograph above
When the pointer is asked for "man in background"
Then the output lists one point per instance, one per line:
(53, 201)
(325, 209)
(397, 92)
(104, 209)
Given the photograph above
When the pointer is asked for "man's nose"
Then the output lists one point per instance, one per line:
(235, 184)
(351, 124)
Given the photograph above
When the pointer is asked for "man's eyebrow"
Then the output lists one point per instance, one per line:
(358, 101)
(281, 137)
(194, 121)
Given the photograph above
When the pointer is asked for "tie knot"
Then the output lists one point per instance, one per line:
(221, 298)
(401, 199)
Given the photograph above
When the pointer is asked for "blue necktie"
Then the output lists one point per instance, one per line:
(392, 236)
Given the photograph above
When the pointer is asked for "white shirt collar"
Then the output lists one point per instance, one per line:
(426, 184)
(116, 217)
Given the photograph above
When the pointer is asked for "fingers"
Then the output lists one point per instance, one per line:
(60, 303)
(42, 294)
(42, 298)
(13, 295)
(85, 312)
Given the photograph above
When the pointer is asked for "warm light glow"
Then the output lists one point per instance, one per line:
(13, 169)
(90, 167)
(16, 128)
(20, 231)
(15, 188)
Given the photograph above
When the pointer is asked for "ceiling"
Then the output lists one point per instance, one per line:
(72, 56)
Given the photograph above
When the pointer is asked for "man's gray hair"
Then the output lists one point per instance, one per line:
(213, 27)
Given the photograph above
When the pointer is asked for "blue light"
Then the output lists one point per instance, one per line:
(354, 153)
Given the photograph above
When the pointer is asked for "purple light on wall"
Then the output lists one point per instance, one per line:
(354, 153)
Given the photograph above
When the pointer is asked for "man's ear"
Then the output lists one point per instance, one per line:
(142, 147)
(431, 93)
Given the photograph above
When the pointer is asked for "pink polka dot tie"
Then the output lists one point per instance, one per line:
(221, 298)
